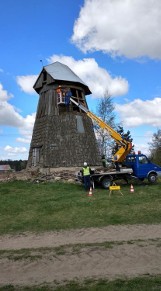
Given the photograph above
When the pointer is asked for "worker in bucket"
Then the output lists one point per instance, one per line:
(86, 171)
(68, 94)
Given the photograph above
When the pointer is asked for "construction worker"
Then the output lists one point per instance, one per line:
(59, 94)
(86, 171)
(104, 162)
(68, 94)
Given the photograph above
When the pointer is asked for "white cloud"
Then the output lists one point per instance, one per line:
(25, 129)
(142, 141)
(139, 112)
(27, 126)
(4, 95)
(98, 79)
(121, 27)
(15, 150)
(143, 147)
(26, 83)
(9, 116)
(23, 140)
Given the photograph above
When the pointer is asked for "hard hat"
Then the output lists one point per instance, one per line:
(85, 164)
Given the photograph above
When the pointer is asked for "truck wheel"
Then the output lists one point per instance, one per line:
(106, 182)
(152, 178)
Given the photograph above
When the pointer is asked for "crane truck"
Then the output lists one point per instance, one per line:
(132, 165)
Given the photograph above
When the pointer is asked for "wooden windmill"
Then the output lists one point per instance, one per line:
(63, 136)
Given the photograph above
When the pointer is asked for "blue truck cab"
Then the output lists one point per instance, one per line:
(142, 167)
(135, 166)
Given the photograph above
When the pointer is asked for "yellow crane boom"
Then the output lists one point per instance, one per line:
(125, 146)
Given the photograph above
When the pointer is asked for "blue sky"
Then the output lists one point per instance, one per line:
(112, 46)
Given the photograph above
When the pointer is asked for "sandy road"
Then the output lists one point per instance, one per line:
(109, 252)
(88, 235)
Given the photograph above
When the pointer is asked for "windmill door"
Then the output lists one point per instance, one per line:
(35, 156)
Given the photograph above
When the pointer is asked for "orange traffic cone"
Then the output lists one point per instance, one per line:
(131, 188)
(90, 192)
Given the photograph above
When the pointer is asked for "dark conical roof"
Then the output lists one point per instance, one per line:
(61, 72)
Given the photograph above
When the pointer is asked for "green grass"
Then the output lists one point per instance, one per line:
(138, 284)
(25, 206)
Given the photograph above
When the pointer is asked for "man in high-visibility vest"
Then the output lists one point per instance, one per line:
(86, 171)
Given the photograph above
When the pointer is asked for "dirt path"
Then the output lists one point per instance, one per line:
(109, 252)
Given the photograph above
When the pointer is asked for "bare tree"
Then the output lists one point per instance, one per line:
(155, 147)
(105, 110)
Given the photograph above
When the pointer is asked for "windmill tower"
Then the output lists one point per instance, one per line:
(63, 136)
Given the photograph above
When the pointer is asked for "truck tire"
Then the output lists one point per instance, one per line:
(152, 178)
(106, 182)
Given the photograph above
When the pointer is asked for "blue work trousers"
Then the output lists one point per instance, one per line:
(87, 182)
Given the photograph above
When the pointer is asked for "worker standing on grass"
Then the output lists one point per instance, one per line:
(86, 171)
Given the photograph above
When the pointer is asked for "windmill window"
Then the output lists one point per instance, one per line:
(80, 126)
(44, 76)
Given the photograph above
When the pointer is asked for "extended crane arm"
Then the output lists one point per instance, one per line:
(125, 146)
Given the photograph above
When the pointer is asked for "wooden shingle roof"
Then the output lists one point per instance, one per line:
(60, 72)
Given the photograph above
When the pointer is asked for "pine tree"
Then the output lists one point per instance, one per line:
(126, 136)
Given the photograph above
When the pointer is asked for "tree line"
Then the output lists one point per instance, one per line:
(16, 165)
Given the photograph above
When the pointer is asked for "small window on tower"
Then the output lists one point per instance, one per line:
(80, 126)
(44, 76)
